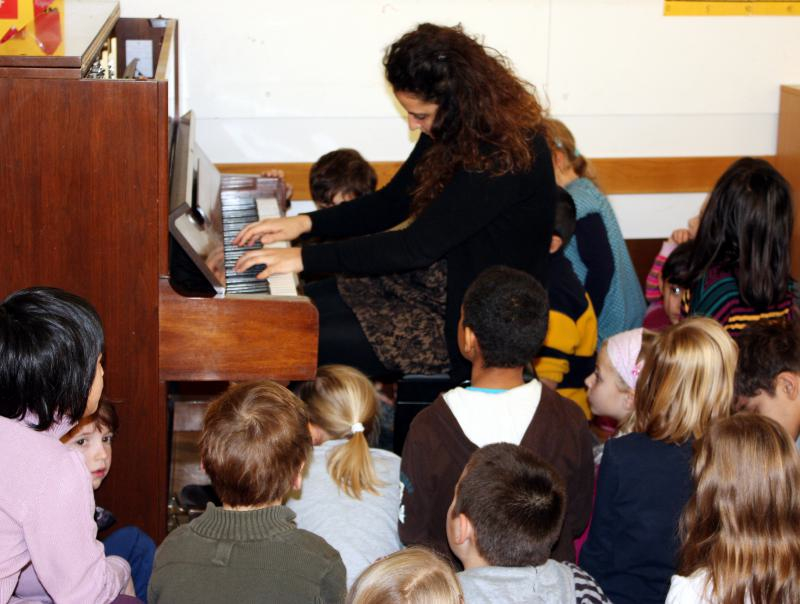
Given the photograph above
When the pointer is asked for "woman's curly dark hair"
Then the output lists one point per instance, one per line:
(486, 115)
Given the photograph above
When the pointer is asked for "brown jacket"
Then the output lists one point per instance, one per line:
(436, 451)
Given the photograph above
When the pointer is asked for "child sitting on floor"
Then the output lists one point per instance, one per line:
(739, 268)
(598, 252)
(644, 480)
(611, 386)
(51, 345)
(411, 576)
(506, 514)
(92, 439)
(672, 282)
(741, 528)
(254, 444)
(503, 322)
(768, 372)
(566, 358)
(653, 281)
(350, 493)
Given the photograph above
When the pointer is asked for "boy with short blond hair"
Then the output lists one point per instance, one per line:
(254, 444)
(506, 514)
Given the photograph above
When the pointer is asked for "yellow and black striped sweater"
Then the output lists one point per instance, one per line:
(567, 356)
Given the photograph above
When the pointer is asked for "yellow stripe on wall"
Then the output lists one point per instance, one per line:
(714, 8)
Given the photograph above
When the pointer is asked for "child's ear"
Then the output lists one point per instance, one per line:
(629, 402)
(555, 243)
(560, 160)
(297, 482)
(464, 531)
(470, 341)
(789, 384)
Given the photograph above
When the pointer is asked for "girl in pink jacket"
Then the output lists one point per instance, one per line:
(51, 346)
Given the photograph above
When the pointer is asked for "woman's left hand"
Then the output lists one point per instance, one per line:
(278, 261)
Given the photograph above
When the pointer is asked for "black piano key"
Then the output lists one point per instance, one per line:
(238, 212)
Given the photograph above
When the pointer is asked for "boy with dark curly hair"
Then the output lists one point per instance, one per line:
(503, 323)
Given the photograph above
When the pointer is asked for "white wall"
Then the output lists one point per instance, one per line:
(288, 81)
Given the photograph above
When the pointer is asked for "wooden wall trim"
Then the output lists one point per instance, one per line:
(788, 159)
(615, 175)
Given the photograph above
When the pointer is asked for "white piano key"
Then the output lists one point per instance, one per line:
(285, 284)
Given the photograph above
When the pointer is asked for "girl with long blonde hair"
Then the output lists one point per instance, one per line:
(644, 481)
(351, 493)
(741, 528)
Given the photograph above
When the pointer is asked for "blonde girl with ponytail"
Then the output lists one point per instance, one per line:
(351, 492)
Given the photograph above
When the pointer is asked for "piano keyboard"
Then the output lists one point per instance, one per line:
(238, 212)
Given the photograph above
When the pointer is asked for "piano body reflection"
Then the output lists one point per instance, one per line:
(85, 198)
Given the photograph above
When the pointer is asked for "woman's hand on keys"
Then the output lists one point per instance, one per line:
(271, 230)
(278, 260)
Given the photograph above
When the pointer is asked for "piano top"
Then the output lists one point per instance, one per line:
(85, 25)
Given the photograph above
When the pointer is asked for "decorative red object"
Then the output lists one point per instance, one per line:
(48, 30)
(9, 9)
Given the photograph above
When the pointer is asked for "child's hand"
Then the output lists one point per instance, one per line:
(280, 174)
(680, 236)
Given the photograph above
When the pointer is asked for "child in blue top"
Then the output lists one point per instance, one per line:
(597, 251)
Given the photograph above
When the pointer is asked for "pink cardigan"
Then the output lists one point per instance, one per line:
(46, 507)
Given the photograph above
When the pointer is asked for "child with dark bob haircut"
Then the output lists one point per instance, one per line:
(254, 444)
(503, 324)
(506, 515)
(340, 175)
(51, 344)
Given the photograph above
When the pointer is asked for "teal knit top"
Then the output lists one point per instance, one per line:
(602, 263)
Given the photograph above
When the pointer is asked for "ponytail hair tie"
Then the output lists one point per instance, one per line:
(357, 427)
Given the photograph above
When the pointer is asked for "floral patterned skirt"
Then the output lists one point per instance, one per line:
(402, 316)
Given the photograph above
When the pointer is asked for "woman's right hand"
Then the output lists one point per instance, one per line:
(270, 230)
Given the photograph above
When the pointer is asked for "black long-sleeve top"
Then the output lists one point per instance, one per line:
(477, 221)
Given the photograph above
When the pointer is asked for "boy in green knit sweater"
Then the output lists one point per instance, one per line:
(254, 445)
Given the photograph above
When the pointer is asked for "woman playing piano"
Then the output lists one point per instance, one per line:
(477, 190)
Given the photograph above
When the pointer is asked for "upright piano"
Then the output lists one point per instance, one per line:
(84, 194)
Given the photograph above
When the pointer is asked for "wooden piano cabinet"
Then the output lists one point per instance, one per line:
(788, 159)
(83, 186)
(84, 197)
(236, 338)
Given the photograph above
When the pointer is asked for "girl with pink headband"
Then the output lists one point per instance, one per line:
(611, 386)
